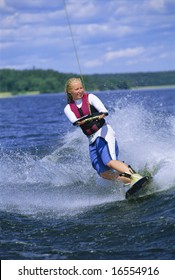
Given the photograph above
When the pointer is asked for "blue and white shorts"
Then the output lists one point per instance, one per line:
(102, 152)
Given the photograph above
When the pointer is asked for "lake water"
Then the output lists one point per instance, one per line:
(53, 205)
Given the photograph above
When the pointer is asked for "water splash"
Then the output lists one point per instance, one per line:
(64, 182)
(146, 141)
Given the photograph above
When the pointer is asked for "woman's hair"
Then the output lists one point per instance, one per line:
(68, 87)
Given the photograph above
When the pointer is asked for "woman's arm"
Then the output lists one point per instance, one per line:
(97, 103)
(69, 114)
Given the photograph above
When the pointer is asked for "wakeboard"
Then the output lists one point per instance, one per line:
(137, 187)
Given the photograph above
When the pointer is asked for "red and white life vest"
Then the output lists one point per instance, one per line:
(87, 109)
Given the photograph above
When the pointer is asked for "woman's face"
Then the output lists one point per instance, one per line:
(77, 90)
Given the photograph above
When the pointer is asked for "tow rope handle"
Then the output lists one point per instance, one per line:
(89, 118)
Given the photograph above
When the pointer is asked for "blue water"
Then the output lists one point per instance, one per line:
(53, 205)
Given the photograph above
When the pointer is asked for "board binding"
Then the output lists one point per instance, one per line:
(136, 187)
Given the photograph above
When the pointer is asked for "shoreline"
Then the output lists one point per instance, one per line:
(154, 87)
(10, 95)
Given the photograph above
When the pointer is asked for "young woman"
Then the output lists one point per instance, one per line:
(103, 146)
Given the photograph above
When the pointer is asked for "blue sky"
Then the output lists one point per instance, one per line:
(110, 36)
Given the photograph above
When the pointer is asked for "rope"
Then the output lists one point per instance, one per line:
(74, 45)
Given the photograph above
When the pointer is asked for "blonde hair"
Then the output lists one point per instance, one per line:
(68, 87)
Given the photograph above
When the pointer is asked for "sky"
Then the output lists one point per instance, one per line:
(88, 36)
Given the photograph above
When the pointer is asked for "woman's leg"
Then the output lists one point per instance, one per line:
(108, 175)
(119, 166)
(103, 162)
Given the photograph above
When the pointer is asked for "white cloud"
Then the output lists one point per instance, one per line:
(163, 55)
(156, 4)
(81, 9)
(106, 33)
(124, 53)
(2, 3)
(93, 63)
(33, 4)
(6, 45)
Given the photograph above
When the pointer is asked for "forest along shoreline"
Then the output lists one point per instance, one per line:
(30, 82)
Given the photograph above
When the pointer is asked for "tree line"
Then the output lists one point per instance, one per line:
(50, 81)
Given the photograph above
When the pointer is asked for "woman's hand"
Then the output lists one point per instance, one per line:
(101, 116)
(81, 122)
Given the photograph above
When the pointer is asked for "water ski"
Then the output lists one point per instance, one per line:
(136, 187)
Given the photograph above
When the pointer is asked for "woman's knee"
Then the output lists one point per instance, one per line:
(104, 175)
(108, 175)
